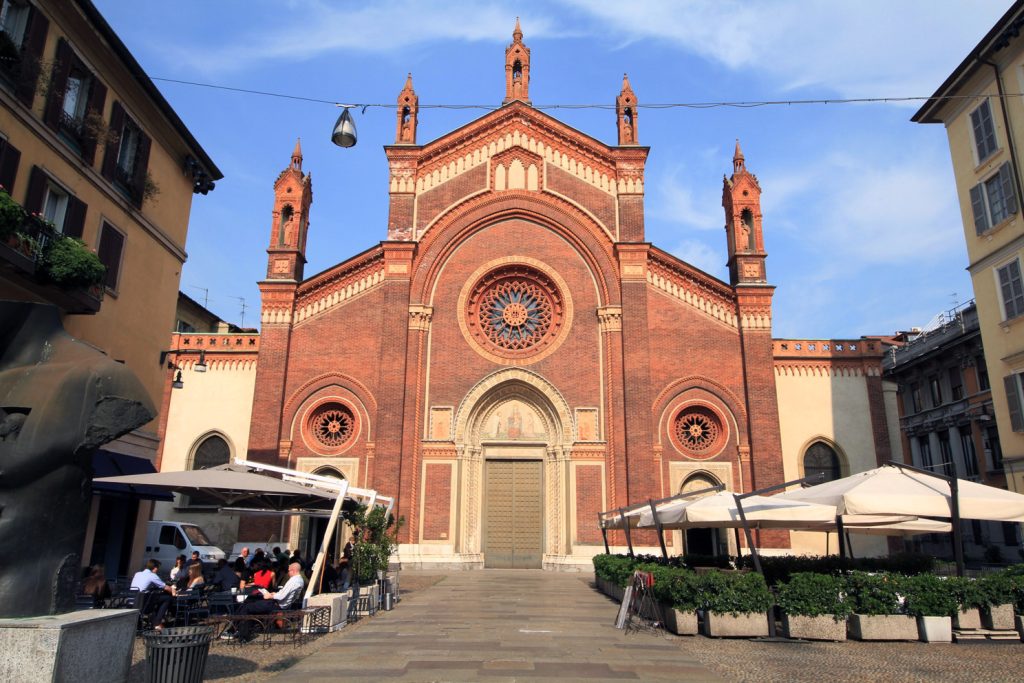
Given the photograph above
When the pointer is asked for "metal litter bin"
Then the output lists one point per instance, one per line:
(177, 655)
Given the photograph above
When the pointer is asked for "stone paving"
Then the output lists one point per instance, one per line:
(497, 625)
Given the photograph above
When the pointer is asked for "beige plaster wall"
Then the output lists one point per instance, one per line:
(813, 406)
(218, 401)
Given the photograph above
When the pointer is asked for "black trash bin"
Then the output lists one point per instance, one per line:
(177, 655)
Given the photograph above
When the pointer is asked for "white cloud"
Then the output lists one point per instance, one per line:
(857, 49)
(701, 255)
(677, 199)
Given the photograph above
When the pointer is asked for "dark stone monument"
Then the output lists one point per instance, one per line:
(60, 399)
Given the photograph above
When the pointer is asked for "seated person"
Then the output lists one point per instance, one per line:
(225, 578)
(263, 577)
(178, 569)
(96, 585)
(289, 597)
(195, 576)
(147, 581)
(242, 569)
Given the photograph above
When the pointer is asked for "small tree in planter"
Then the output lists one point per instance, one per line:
(377, 542)
(876, 606)
(933, 602)
(813, 607)
(736, 604)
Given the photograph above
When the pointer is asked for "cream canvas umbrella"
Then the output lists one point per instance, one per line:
(720, 510)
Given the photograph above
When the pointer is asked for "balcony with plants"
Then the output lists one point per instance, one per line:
(36, 258)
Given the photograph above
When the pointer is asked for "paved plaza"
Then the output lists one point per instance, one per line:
(500, 625)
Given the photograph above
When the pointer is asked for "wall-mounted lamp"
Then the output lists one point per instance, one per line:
(200, 365)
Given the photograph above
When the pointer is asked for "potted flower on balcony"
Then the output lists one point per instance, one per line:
(932, 601)
(813, 607)
(69, 264)
(876, 603)
(736, 604)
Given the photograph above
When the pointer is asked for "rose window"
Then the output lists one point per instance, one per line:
(516, 309)
(332, 425)
(698, 429)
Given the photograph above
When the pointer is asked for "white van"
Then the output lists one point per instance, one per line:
(165, 540)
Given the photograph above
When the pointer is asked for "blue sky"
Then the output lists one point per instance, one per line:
(861, 221)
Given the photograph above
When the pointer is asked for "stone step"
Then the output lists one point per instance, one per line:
(968, 634)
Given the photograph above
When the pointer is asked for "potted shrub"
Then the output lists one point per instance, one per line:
(875, 600)
(736, 605)
(971, 599)
(69, 264)
(999, 593)
(679, 592)
(813, 607)
(377, 543)
(613, 573)
(933, 603)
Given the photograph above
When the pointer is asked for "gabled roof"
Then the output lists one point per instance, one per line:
(1008, 27)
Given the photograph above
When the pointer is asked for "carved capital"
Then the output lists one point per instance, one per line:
(610, 318)
(420, 316)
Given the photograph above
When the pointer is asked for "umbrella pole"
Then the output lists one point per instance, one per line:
(840, 533)
(604, 534)
(958, 538)
(318, 566)
(657, 525)
(736, 530)
(757, 560)
(625, 526)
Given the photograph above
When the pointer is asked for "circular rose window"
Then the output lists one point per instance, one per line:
(515, 310)
(698, 430)
(332, 425)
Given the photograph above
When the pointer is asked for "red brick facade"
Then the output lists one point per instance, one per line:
(634, 336)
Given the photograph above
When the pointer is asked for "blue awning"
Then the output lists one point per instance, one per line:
(110, 464)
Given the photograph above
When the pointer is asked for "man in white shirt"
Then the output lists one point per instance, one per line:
(289, 597)
(159, 593)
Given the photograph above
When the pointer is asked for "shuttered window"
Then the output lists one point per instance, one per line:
(48, 198)
(23, 31)
(1011, 289)
(994, 200)
(127, 155)
(110, 251)
(9, 159)
(1012, 385)
(75, 102)
(984, 131)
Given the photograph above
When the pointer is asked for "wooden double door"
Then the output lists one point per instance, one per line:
(513, 525)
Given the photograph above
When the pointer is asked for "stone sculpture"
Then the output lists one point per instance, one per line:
(60, 399)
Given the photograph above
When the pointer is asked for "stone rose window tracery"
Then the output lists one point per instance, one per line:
(698, 431)
(515, 310)
(332, 425)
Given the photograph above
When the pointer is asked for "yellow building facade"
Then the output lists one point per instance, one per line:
(89, 143)
(980, 106)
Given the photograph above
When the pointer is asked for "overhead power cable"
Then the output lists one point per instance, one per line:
(664, 105)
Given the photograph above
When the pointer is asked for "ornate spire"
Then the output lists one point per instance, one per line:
(408, 106)
(625, 111)
(297, 155)
(738, 163)
(517, 68)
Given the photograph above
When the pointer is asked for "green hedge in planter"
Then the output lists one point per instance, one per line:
(779, 568)
(928, 595)
(12, 216)
(615, 568)
(743, 593)
(874, 593)
(1005, 587)
(814, 595)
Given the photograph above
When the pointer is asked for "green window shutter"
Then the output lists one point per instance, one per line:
(1013, 401)
(978, 207)
(1009, 193)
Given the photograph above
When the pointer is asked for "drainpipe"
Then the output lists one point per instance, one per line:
(1009, 133)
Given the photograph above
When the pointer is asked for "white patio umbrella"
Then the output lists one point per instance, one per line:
(891, 490)
(720, 510)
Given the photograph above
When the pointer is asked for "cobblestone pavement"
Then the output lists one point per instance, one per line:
(496, 625)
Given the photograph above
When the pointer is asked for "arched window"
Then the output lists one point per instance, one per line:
(286, 215)
(820, 458)
(329, 472)
(211, 452)
(406, 114)
(748, 223)
(517, 70)
(698, 482)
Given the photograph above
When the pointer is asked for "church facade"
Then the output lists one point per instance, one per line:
(518, 356)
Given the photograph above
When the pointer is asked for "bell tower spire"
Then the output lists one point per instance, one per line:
(625, 110)
(741, 199)
(408, 107)
(517, 68)
(293, 195)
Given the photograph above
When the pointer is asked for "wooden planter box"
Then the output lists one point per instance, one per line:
(935, 629)
(680, 623)
(882, 627)
(998, 618)
(719, 625)
(824, 627)
(967, 619)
